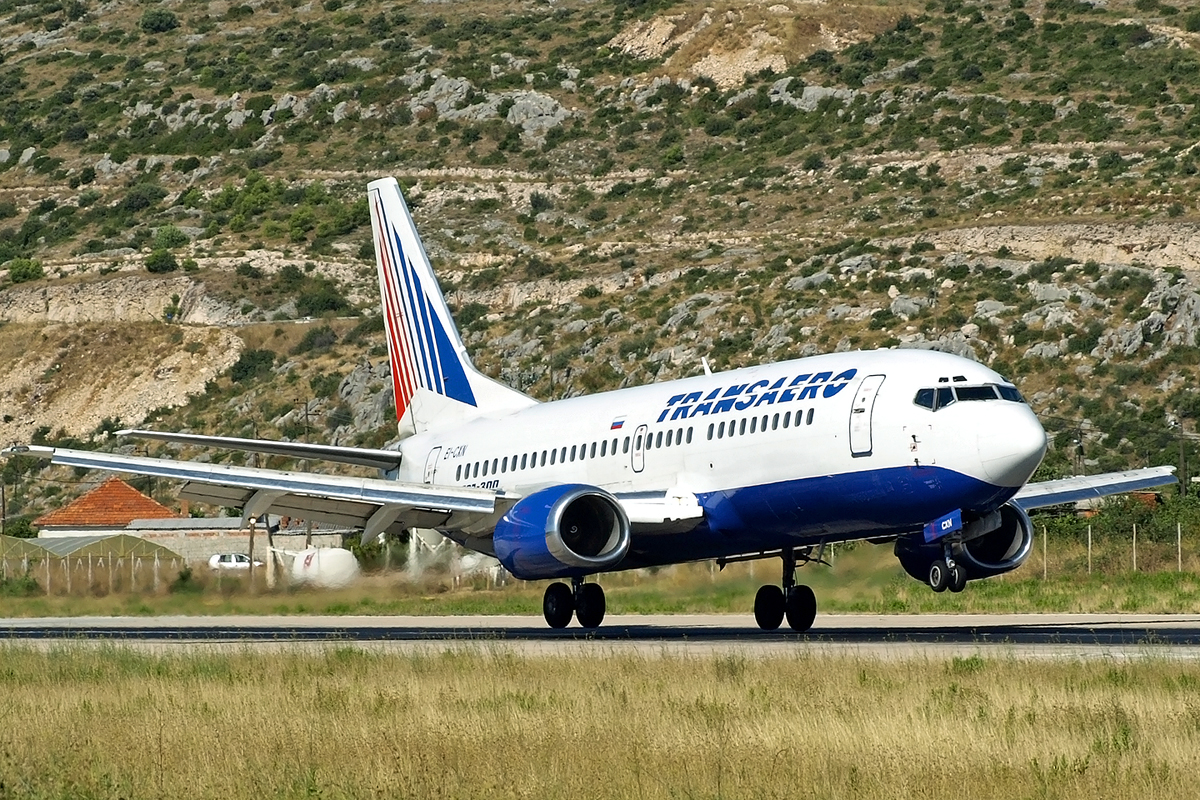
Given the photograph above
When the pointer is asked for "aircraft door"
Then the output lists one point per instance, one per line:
(860, 415)
(639, 453)
(431, 464)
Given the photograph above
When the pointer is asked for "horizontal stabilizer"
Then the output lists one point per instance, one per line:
(1087, 487)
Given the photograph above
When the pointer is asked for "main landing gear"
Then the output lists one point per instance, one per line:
(797, 603)
(946, 573)
(584, 601)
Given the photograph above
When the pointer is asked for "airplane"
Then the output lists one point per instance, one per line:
(925, 450)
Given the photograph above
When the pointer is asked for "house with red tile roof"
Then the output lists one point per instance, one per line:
(107, 509)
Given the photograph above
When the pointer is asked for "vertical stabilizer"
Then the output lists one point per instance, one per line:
(434, 381)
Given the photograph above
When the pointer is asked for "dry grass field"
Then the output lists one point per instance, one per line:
(485, 722)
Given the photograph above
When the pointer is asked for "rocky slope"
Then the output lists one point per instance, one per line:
(611, 191)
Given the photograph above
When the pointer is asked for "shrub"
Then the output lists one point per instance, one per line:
(316, 340)
(161, 260)
(250, 364)
(168, 237)
(21, 270)
(158, 20)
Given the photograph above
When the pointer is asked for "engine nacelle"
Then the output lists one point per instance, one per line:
(1001, 549)
(562, 531)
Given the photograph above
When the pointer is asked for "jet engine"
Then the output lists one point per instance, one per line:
(998, 548)
(562, 531)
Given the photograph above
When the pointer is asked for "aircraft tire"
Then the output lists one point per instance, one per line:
(590, 605)
(769, 607)
(958, 578)
(801, 608)
(558, 604)
(939, 575)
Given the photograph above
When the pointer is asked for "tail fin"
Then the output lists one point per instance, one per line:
(435, 383)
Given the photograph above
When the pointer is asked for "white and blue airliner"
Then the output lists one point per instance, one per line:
(929, 451)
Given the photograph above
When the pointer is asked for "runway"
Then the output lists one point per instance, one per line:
(1023, 635)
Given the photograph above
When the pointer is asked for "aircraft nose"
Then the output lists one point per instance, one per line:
(1011, 445)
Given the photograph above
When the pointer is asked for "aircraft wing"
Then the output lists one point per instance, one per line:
(361, 456)
(373, 504)
(1086, 487)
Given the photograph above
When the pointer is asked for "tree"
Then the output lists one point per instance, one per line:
(20, 528)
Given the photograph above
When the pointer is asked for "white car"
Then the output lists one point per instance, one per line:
(231, 561)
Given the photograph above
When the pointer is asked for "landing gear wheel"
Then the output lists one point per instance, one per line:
(589, 605)
(558, 605)
(769, 607)
(958, 578)
(939, 575)
(801, 608)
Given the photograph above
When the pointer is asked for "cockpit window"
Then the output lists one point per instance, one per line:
(943, 396)
(1010, 393)
(967, 393)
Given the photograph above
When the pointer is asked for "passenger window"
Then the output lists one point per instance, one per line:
(945, 396)
(504, 465)
(711, 427)
(924, 398)
(810, 416)
(787, 418)
(775, 422)
(604, 448)
(658, 440)
(476, 475)
(689, 436)
(495, 464)
(458, 473)
(553, 455)
(742, 428)
(753, 424)
(562, 456)
(614, 447)
(679, 436)
(544, 458)
(485, 469)
(572, 452)
(524, 459)
(593, 454)
(638, 445)
(764, 423)
(670, 435)
(721, 431)
(625, 445)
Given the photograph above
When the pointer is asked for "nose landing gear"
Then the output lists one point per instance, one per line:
(797, 603)
(584, 601)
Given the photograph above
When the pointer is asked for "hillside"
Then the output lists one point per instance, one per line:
(610, 191)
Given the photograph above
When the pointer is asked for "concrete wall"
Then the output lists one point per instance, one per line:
(197, 546)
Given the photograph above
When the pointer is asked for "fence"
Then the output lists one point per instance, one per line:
(96, 575)
(1092, 550)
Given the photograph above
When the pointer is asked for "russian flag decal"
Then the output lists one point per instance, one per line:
(617, 424)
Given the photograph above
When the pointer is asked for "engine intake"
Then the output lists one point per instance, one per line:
(562, 531)
(1001, 549)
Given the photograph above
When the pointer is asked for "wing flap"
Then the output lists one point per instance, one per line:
(1086, 487)
(361, 456)
(338, 499)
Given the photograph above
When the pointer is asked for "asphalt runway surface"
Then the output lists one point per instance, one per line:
(1023, 635)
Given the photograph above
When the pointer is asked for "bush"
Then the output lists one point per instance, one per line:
(168, 237)
(21, 270)
(161, 260)
(20, 528)
(250, 364)
(158, 20)
(317, 339)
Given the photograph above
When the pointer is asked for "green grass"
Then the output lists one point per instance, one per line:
(483, 721)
